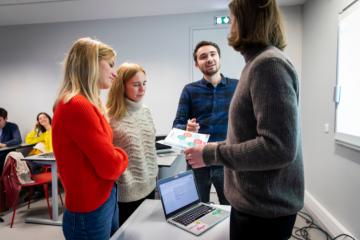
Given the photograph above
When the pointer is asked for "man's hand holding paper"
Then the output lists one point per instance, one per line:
(192, 126)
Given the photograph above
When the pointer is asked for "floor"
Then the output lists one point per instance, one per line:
(22, 230)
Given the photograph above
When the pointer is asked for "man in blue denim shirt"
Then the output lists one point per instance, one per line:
(9, 136)
(206, 102)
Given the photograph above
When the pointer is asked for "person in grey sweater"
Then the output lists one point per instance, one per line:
(262, 155)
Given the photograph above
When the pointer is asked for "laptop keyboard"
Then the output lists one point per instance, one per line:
(193, 214)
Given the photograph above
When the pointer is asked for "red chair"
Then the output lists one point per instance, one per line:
(40, 179)
(47, 168)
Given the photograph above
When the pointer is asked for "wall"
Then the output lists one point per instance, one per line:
(31, 56)
(30, 69)
(332, 172)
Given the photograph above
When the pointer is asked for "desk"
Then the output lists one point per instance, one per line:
(166, 157)
(165, 161)
(23, 145)
(148, 222)
(54, 190)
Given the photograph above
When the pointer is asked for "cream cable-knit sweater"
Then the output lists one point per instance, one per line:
(22, 170)
(135, 134)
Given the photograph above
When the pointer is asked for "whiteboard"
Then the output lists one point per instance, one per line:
(232, 62)
(347, 127)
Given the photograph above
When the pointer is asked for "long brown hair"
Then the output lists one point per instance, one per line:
(40, 128)
(116, 103)
(81, 71)
(258, 23)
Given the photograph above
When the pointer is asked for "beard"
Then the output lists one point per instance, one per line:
(210, 72)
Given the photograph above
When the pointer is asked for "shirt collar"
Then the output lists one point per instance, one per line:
(223, 81)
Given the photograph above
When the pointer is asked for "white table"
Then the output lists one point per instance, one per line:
(54, 190)
(148, 222)
(165, 160)
(166, 157)
(23, 145)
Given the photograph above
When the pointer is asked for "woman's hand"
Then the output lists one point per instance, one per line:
(212, 143)
(36, 124)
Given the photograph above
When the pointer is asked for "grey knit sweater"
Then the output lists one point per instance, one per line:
(262, 155)
(135, 134)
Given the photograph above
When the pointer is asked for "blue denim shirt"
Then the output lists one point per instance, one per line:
(10, 134)
(209, 105)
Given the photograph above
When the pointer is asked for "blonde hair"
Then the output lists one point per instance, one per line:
(259, 23)
(116, 103)
(81, 72)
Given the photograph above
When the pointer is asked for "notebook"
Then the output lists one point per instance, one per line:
(183, 139)
(182, 205)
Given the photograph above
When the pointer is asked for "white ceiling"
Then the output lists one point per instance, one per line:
(17, 12)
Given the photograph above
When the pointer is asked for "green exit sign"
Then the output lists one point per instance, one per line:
(222, 20)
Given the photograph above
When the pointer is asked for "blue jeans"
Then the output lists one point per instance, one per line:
(206, 176)
(35, 166)
(99, 224)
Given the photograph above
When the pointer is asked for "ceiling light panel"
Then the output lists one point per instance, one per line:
(37, 1)
(6, 2)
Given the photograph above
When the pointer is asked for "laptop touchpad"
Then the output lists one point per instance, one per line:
(209, 219)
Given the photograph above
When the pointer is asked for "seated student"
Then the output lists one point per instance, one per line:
(9, 136)
(41, 131)
(40, 134)
(134, 131)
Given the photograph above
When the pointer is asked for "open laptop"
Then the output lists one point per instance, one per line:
(161, 147)
(182, 205)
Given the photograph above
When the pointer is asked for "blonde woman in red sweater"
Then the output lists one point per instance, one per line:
(88, 163)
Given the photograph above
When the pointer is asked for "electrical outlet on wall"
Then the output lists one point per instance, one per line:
(326, 128)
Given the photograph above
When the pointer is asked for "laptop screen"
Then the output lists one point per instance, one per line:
(178, 192)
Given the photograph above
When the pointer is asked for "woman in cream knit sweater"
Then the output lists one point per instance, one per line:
(134, 131)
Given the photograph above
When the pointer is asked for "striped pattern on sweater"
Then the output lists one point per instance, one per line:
(135, 134)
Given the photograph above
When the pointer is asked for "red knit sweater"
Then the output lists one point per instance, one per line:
(88, 163)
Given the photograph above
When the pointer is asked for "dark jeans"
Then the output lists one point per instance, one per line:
(206, 176)
(2, 161)
(127, 208)
(99, 224)
(244, 226)
(35, 166)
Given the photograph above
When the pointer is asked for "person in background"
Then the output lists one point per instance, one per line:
(262, 155)
(88, 162)
(134, 131)
(206, 102)
(40, 134)
(9, 136)
(41, 131)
